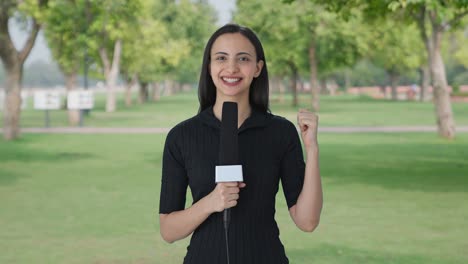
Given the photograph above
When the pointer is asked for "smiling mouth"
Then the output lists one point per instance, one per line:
(231, 80)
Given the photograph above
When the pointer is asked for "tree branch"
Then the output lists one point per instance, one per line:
(421, 22)
(105, 60)
(23, 54)
(7, 48)
(117, 53)
(457, 17)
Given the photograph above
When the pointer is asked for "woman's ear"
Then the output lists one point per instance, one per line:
(259, 68)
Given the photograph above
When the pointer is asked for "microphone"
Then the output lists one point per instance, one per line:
(228, 169)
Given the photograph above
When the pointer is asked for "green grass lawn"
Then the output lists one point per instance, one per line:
(344, 110)
(389, 198)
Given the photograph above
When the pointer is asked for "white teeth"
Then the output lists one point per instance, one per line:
(231, 80)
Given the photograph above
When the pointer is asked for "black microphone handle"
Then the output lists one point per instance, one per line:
(226, 217)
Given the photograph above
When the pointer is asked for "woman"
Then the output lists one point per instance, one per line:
(234, 69)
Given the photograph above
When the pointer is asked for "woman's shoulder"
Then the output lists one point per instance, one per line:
(184, 127)
(282, 122)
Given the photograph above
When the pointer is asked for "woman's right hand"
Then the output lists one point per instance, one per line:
(225, 195)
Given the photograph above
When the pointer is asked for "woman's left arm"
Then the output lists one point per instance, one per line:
(306, 212)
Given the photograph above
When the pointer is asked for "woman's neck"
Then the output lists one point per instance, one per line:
(244, 110)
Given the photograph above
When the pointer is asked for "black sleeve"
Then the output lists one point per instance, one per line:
(292, 165)
(174, 177)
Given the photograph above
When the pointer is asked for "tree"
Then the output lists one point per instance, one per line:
(190, 22)
(284, 43)
(395, 48)
(110, 21)
(302, 31)
(434, 18)
(13, 60)
(65, 30)
(160, 53)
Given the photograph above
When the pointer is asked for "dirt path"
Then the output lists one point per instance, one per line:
(163, 130)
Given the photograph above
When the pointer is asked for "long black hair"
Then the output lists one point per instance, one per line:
(258, 95)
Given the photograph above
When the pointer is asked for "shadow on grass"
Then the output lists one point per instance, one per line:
(20, 151)
(423, 167)
(25, 155)
(8, 177)
(332, 254)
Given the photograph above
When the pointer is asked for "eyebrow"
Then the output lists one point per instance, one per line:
(240, 53)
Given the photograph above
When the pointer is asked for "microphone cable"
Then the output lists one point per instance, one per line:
(226, 220)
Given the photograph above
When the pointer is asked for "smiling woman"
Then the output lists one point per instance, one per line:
(233, 67)
(235, 70)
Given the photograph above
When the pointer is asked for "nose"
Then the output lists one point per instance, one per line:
(232, 66)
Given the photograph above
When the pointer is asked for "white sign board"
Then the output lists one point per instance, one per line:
(80, 100)
(46, 100)
(24, 100)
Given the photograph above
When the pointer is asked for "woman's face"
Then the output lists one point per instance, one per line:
(233, 66)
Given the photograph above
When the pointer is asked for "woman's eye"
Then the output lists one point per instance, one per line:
(220, 58)
(244, 59)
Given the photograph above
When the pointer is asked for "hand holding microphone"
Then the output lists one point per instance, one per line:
(225, 195)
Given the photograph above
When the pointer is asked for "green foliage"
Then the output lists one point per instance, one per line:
(460, 39)
(396, 47)
(365, 73)
(35, 9)
(171, 36)
(190, 22)
(460, 79)
(278, 28)
(66, 33)
(287, 31)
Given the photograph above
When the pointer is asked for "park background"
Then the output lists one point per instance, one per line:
(395, 183)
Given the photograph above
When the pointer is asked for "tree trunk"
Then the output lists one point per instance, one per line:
(323, 86)
(443, 105)
(347, 81)
(314, 84)
(128, 90)
(424, 82)
(70, 84)
(272, 86)
(332, 87)
(168, 87)
(177, 87)
(12, 104)
(281, 90)
(383, 89)
(111, 72)
(300, 87)
(13, 61)
(156, 92)
(143, 94)
(393, 76)
(293, 82)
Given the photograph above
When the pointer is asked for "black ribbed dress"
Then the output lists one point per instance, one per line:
(269, 151)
